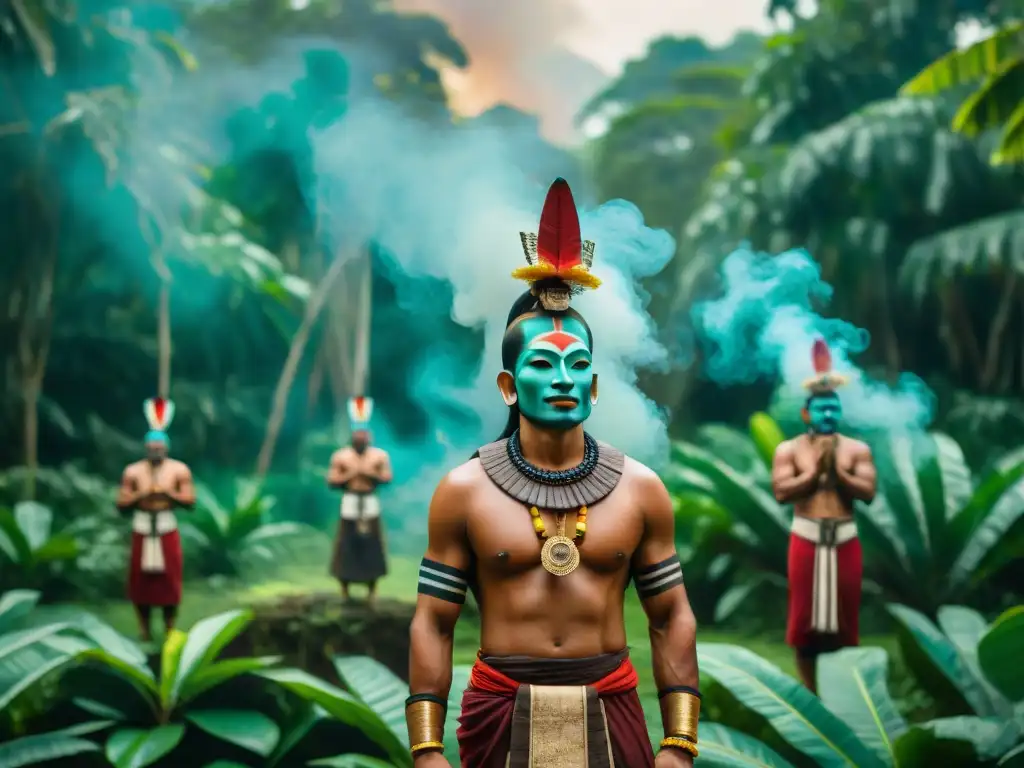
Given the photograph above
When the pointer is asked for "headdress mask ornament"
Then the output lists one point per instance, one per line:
(823, 410)
(360, 411)
(554, 384)
(159, 413)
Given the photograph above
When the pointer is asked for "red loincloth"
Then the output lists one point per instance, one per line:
(156, 588)
(485, 726)
(801, 595)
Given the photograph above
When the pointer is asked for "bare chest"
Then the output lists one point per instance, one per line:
(823, 454)
(154, 479)
(361, 463)
(506, 543)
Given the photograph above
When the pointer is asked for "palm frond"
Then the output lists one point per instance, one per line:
(991, 244)
(1011, 143)
(991, 105)
(984, 58)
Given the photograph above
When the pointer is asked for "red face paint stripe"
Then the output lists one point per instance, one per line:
(558, 339)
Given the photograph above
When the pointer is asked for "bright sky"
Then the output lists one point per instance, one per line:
(615, 31)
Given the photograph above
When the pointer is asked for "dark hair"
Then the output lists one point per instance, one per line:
(512, 347)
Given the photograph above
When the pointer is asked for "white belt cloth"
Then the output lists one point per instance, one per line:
(827, 536)
(360, 506)
(153, 525)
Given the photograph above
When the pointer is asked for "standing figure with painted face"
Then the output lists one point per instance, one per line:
(822, 473)
(152, 489)
(548, 527)
(357, 470)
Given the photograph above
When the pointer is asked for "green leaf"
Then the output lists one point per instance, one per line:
(936, 664)
(31, 676)
(999, 654)
(140, 677)
(922, 748)
(854, 687)
(36, 750)
(379, 688)
(249, 730)
(35, 521)
(350, 761)
(766, 434)
(343, 707)
(722, 747)
(14, 606)
(205, 640)
(296, 731)
(989, 737)
(219, 672)
(965, 627)
(169, 657)
(132, 748)
(1012, 759)
(14, 539)
(58, 548)
(966, 65)
(795, 713)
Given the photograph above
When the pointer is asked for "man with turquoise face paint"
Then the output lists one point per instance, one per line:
(822, 473)
(553, 686)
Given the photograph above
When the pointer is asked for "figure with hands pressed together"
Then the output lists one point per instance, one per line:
(357, 470)
(548, 527)
(151, 489)
(822, 473)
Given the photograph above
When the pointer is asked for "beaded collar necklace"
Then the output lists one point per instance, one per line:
(551, 476)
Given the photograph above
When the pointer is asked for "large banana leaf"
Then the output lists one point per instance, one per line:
(982, 524)
(343, 707)
(750, 504)
(999, 654)
(15, 605)
(252, 731)
(36, 750)
(379, 688)
(722, 747)
(938, 666)
(965, 628)
(988, 737)
(966, 65)
(854, 687)
(795, 713)
(205, 640)
(135, 748)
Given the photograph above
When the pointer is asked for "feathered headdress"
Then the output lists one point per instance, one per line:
(824, 379)
(558, 259)
(360, 410)
(159, 413)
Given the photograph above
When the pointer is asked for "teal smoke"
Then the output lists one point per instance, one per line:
(762, 327)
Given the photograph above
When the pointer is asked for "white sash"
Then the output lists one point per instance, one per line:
(827, 536)
(360, 506)
(153, 525)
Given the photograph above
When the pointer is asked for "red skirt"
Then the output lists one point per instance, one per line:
(485, 726)
(801, 596)
(156, 588)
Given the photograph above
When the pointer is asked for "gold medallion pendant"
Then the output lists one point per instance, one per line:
(559, 556)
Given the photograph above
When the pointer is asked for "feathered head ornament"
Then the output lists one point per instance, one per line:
(824, 379)
(360, 410)
(558, 260)
(159, 413)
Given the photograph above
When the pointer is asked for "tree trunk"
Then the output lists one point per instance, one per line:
(163, 335)
(997, 332)
(291, 367)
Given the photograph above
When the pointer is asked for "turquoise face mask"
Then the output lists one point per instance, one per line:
(824, 413)
(553, 373)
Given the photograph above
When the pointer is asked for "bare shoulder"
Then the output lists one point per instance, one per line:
(178, 467)
(647, 488)
(856, 447)
(639, 475)
(341, 455)
(787, 447)
(378, 453)
(134, 469)
(453, 495)
(465, 478)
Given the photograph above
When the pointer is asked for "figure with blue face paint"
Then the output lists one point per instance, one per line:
(822, 473)
(151, 489)
(547, 527)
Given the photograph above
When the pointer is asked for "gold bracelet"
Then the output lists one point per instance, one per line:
(423, 746)
(680, 712)
(425, 719)
(684, 744)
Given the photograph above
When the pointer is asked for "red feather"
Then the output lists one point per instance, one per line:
(559, 242)
(359, 403)
(821, 356)
(159, 409)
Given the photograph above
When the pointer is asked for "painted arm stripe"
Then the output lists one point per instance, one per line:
(651, 569)
(447, 570)
(659, 574)
(442, 591)
(432, 574)
(650, 590)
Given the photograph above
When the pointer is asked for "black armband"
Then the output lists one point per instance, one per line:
(426, 697)
(658, 578)
(443, 582)
(679, 689)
